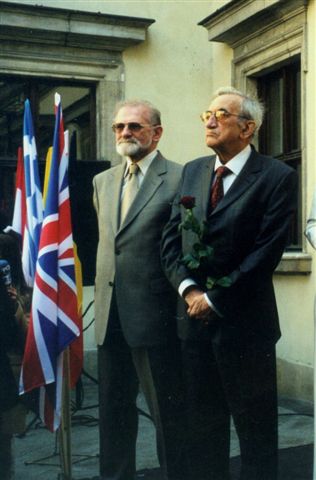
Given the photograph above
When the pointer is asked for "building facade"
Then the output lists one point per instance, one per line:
(175, 54)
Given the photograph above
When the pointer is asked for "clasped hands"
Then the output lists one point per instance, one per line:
(197, 304)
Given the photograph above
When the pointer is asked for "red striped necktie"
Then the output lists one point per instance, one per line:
(217, 191)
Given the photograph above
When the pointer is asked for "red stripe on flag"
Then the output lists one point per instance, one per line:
(32, 377)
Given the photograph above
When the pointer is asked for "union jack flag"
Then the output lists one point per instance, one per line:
(34, 201)
(54, 317)
(19, 212)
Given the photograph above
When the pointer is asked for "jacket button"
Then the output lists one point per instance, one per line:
(111, 284)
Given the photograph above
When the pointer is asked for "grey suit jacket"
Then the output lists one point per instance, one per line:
(129, 256)
(248, 231)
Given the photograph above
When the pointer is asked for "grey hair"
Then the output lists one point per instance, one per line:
(154, 113)
(251, 107)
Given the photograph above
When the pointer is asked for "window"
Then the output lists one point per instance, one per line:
(280, 135)
(78, 103)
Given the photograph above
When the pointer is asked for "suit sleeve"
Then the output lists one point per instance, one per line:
(171, 246)
(267, 250)
(310, 231)
(95, 196)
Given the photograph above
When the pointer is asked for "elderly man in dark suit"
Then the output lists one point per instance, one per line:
(230, 327)
(135, 306)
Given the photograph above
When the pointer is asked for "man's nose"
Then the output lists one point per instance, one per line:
(126, 132)
(212, 122)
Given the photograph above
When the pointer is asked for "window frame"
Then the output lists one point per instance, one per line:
(290, 153)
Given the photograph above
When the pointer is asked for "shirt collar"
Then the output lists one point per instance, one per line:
(143, 164)
(236, 163)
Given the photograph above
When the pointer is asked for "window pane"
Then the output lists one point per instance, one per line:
(275, 116)
(297, 111)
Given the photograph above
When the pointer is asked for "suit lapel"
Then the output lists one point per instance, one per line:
(206, 179)
(247, 176)
(153, 179)
(114, 194)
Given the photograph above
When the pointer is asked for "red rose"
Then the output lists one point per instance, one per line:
(187, 202)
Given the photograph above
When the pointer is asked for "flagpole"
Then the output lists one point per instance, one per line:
(65, 426)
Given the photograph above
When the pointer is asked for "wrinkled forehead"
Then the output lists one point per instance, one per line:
(136, 113)
(229, 102)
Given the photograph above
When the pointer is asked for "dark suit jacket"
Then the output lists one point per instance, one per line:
(129, 255)
(248, 230)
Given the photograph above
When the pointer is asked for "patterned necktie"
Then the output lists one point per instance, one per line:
(217, 191)
(130, 190)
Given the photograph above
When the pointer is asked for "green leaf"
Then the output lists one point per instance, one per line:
(209, 251)
(210, 282)
(193, 265)
(195, 226)
(188, 257)
(203, 250)
(191, 261)
(224, 282)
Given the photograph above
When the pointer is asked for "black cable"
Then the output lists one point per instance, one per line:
(94, 380)
(83, 315)
(88, 308)
(88, 326)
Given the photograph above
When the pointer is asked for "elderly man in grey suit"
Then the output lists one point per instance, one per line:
(134, 302)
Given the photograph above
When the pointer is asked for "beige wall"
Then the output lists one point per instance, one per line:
(178, 64)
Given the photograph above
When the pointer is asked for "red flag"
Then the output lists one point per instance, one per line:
(19, 212)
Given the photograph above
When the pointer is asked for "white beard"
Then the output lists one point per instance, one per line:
(133, 149)
(128, 149)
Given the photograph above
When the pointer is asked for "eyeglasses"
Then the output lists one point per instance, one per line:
(220, 115)
(132, 126)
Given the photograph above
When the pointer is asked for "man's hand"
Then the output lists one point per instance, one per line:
(12, 291)
(197, 305)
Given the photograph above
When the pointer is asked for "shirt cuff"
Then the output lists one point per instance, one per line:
(188, 282)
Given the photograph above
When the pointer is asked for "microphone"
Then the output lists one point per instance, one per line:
(5, 272)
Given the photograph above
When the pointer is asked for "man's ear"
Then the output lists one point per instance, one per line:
(248, 129)
(157, 133)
